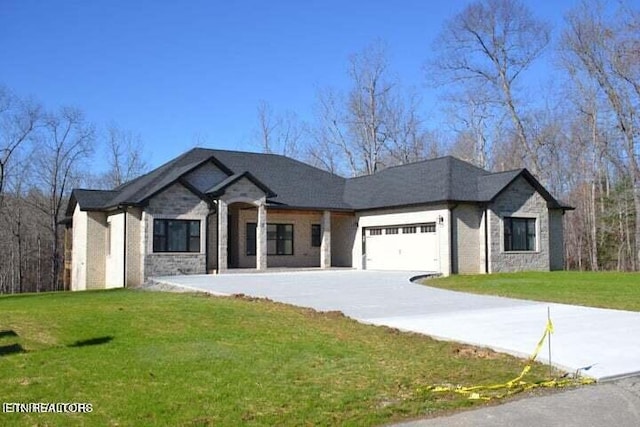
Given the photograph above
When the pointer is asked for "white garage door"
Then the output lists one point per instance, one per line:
(404, 247)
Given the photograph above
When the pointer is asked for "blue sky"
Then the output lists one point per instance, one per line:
(177, 72)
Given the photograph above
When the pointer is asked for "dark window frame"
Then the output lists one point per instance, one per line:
(280, 239)
(316, 235)
(161, 236)
(520, 234)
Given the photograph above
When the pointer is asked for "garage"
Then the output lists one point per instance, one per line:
(401, 247)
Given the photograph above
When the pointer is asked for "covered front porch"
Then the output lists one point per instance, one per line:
(251, 236)
(246, 232)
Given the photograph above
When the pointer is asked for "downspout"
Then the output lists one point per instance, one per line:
(217, 238)
(486, 240)
(124, 258)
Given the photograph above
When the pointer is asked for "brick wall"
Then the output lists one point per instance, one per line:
(343, 235)
(466, 235)
(96, 250)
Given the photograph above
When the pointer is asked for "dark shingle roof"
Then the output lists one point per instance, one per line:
(89, 199)
(490, 185)
(296, 184)
(428, 181)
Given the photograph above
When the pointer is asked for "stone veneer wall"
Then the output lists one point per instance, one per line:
(520, 199)
(243, 190)
(176, 202)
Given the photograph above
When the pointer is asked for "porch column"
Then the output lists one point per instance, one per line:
(261, 238)
(325, 245)
(222, 236)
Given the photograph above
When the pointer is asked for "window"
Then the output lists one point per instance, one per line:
(316, 235)
(251, 238)
(279, 239)
(519, 234)
(375, 232)
(391, 230)
(429, 227)
(176, 235)
(408, 230)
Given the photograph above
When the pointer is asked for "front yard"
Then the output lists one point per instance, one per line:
(606, 290)
(145, 358)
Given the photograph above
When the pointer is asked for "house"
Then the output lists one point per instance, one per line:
(208, 211)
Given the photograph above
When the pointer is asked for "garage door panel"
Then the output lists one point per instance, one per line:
(414, 247)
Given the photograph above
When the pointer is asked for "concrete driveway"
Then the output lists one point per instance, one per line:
(607, 340)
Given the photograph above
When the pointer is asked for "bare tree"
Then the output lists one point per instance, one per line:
(373, 125)
(333, 148)
(66, 140)
(407, 138)
(368, 105)
(125, 155)
(477, 123)
(279, 133)
(490, 44)
(18, 120)
(606, 49)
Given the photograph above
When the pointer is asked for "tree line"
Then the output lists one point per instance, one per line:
(579, 137)
(43, 155)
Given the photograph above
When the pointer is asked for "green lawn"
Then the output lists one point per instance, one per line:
(608, 290)
(146, 358)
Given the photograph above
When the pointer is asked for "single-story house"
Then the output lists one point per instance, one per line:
(208, 211)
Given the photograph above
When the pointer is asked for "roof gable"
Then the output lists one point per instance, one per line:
(492, 185)
(220, 188)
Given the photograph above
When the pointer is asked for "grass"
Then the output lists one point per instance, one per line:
(145, 358)
(595, 289)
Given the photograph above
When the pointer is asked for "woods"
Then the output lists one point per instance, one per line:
(45, 154)
(577, 130)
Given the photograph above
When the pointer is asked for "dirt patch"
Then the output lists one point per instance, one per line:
(467, 351)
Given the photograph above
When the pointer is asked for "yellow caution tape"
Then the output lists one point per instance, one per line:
(516, 385)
